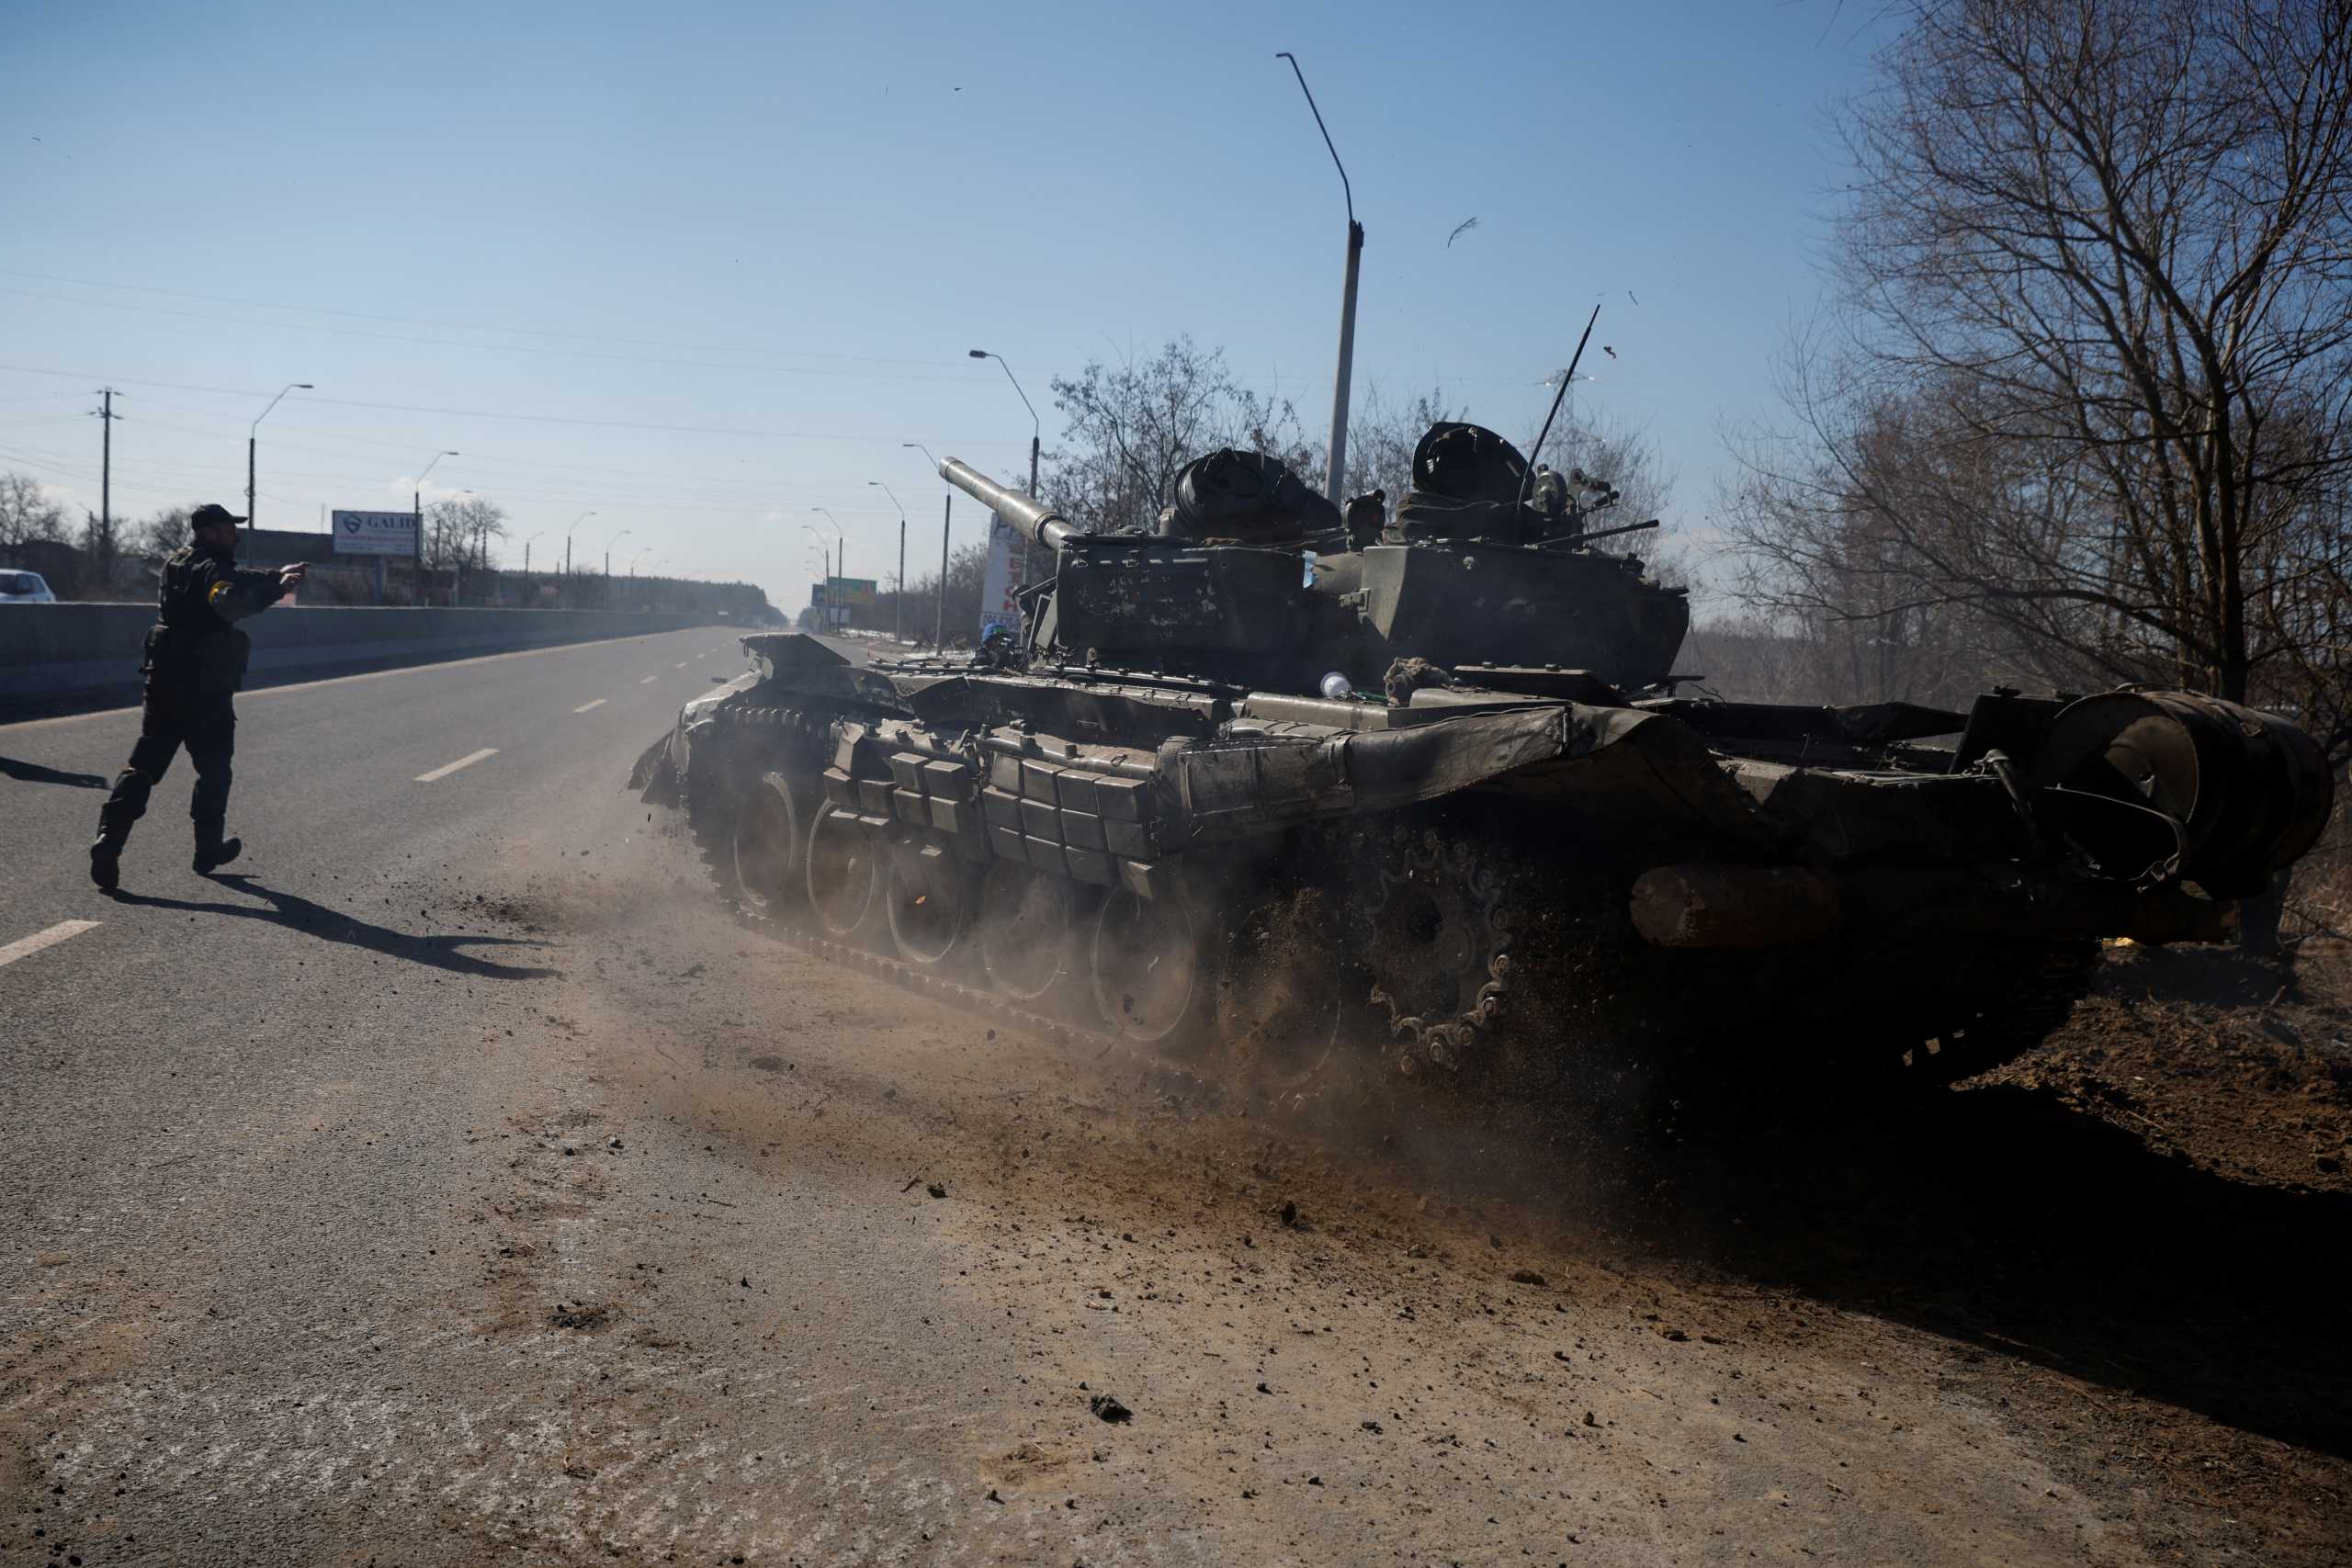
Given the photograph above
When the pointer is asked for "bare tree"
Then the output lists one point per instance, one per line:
(27, 515)
(918, 607)
(2091, 395)
(153, 539)
(459, 531)
(1380, 438)
(1134, 426)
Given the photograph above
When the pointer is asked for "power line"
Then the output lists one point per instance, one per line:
(466, 326)
(495, 414)
(460, 343)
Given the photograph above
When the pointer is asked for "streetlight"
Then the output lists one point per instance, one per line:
(608, 565)
(526, 551)
(1034, 427)
(1033, 433)
(290, 387)
(567, 540)
(416, 512)
(898, 598)
(947, 514)
(1335, 477)
(841, 539)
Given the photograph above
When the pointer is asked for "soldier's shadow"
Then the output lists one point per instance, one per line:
(292, 910)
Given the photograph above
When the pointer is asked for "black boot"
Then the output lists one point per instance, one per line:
(212, 857)
(105, 859)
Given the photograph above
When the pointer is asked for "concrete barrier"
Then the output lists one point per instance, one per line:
(64, 650)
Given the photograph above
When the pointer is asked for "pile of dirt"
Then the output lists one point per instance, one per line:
(2241, 1067)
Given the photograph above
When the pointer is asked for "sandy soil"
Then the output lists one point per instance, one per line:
(2086, 1309)
(723, 1254)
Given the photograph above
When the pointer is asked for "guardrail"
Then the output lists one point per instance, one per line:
(67, 650)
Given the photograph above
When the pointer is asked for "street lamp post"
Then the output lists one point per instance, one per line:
(947, 512)
(608, 565)
(1035, 431)
(1335, 477)
(416, 520)
(567, 555)
(250, 434)
(526, 552)
(898, 598)
(841, 541)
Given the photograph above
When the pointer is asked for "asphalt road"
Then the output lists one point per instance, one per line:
(456, 1183)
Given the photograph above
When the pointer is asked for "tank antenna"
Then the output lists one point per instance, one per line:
(1568, 380)
(1335, 477)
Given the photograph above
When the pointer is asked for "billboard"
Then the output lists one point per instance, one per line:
(374, 532)
(851, 590)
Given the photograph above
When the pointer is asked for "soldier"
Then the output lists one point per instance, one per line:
(196, 660)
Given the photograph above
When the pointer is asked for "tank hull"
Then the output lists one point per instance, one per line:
(1468, 877)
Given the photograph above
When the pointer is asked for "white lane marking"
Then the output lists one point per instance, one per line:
(649, 680)
(586, 707)
(39, 940)
(22, 724)
(446, 769)
(680, 664)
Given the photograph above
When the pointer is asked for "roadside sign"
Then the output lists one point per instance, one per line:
(374, 532)
(851, 590)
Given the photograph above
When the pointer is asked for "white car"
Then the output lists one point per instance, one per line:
(24, 588)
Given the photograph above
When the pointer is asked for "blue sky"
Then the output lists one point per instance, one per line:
(727, 258)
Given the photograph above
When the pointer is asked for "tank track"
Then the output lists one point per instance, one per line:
(709, 808)
(2045, 982)
(1495, 900)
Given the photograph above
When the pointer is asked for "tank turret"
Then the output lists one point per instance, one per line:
(1251, 575)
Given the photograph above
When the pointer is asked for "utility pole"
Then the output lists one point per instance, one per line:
(107, 416)
(1036, 431)
(899, 592)
(939, 626)
(1335, 478)
(250, 434)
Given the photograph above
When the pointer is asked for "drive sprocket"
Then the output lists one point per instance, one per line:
(1435, 932)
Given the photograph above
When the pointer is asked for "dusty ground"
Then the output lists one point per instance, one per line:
(742, 1257)
(2087, 1309)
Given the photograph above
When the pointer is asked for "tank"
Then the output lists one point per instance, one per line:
(1303, 786)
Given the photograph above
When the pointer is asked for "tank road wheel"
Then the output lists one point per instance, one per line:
(1281, 992)
(1436, 945)
(1151, 969)
(1028, 931)
(843, 873)
(930, 898)
(767, 846)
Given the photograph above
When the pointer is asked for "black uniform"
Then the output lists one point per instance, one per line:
(196, 660)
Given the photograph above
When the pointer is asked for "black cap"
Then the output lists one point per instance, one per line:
(211, 512)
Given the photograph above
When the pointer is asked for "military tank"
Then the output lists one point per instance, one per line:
(1302, 784)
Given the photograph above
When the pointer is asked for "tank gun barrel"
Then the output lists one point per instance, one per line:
(1572, 541)
(1047, 526)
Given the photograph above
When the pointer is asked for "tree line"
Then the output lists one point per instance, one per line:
(2078, 413)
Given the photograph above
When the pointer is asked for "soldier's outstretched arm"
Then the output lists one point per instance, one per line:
(232, 595)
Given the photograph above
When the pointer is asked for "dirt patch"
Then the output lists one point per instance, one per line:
(1796, 1316)
(2236, 1066)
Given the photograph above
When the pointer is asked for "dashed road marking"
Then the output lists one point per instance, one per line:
(588, 707)
(39, 940)
(446, 769)
(649, 680)
(680, 664)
